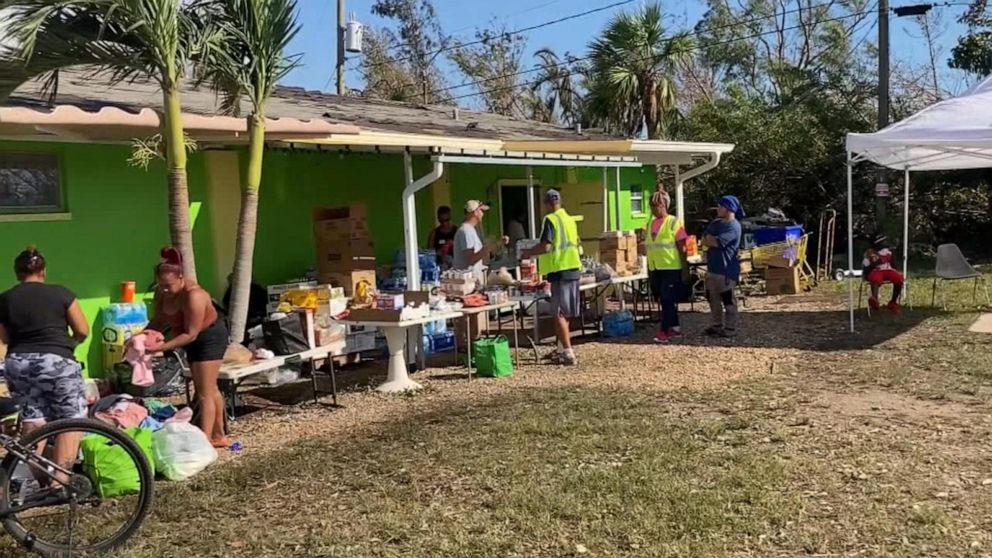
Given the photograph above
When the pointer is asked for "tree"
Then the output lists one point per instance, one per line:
(632, 63)
(492, 64)
(973, 52)
(411, 51)
(124, 39)
(770, 47)
(249, 62)
(557, 88)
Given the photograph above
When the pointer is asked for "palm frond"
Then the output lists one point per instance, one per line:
(249, 59)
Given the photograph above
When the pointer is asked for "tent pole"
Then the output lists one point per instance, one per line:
(905, 239)
(850, 242)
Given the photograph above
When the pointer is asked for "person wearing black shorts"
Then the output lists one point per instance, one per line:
(183, 310)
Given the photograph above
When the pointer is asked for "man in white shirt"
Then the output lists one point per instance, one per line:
(469, 251)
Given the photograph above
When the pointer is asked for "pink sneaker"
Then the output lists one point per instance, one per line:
(674, 333)
(873, 303)
(895, 308)
(661, 336)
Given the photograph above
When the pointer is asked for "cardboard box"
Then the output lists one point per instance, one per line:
(617, 259)
(782, 281)
(331, 223)
(345, 255)
(780, 261)
(419, 299)
(629, 242)
(347, 279)
(612, 243)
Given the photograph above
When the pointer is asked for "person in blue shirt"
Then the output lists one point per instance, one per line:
(723, 266)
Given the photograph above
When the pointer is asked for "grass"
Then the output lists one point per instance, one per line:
(881, 448)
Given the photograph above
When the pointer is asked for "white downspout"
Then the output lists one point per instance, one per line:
(410, 217)
(616, 208)
(691, 173)
(606, 199)
(531, 210)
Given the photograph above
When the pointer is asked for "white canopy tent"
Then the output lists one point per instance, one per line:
(951, 134)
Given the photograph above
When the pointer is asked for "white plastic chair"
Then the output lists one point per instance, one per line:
(953, 266)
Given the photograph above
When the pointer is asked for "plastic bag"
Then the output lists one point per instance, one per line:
(110, 467)
(181, 450)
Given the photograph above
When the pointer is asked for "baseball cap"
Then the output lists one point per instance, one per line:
(552, 196)
(475, 205)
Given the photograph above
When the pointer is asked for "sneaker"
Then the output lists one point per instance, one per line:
(728, 333)
(661, 336)
(674, 333)
(873, 304)
(713, 331)
(553, 357)
(567, 358)
(895, 308)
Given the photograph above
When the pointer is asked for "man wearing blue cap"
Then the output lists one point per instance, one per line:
(723, 266)
(560, 261)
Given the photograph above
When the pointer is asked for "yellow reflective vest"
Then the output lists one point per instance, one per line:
(565, 248)
(663, 252)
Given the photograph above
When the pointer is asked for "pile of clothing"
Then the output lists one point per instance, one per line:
(178, 449)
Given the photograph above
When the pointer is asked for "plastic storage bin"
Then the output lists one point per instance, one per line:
(771, 235)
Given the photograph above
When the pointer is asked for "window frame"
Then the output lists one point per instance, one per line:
(36, 212)
(639, 197)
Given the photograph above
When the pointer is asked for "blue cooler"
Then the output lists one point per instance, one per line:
(771, 235)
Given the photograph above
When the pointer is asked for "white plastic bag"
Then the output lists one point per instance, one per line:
(181, 450)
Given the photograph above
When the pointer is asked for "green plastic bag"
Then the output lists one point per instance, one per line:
(109, 466)
(492, 357)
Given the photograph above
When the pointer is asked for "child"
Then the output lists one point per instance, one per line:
(878, 269)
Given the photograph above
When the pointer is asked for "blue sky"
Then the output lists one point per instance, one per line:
(461, 17)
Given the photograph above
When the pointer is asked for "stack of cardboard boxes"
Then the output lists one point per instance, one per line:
(619, 251)
(345, 253)
(782, 276)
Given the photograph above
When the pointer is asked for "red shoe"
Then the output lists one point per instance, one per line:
(673, 333)
(895, 308)
(873, 304)
(661, 336)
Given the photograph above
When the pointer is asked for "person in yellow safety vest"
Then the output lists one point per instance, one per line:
(559, 259)
(664, 240)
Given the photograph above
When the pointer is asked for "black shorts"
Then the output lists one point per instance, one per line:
(210, 344)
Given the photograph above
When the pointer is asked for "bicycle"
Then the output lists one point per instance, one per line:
(43, 504)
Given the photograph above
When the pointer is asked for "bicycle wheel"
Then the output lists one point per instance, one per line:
(99, 510)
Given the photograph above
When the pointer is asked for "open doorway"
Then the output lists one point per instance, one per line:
(513, 212)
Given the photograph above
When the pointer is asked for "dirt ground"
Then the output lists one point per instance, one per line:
(795, 438)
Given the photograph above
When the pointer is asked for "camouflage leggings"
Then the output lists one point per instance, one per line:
(51, 386)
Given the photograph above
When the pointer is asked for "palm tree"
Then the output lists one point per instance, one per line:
(125, 39)
(631, 67)
(248, 62)
(556, 88)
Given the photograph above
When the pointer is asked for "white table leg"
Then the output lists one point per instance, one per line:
(397, 380)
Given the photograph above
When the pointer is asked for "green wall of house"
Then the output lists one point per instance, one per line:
(117, 214)
(117, 220)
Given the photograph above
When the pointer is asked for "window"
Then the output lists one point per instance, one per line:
(636, 198)
(30, 183)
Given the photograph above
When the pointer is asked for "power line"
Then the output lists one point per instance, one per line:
(520, 31)
(538, 67)
(696, 47)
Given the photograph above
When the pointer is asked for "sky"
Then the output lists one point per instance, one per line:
(316, 40)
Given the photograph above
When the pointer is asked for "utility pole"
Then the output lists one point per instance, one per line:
(881, 188)
(341, 34)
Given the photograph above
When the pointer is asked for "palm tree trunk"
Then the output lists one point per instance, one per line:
(244, 250)
(180, 228)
